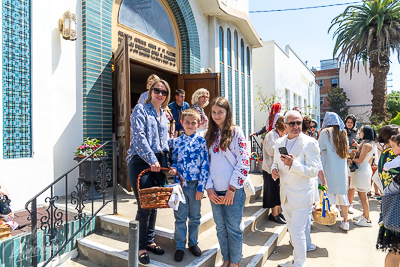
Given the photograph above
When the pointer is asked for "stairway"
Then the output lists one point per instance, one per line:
(109, 245)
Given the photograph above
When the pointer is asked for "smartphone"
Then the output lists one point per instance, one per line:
(283, 151)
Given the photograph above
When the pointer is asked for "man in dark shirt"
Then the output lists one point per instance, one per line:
(177, 107)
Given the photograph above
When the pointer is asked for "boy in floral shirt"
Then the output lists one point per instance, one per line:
(190, 159)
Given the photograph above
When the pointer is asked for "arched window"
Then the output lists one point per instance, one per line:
(221, 44)
(248, 61)
(235, 51)
(228, 47)
(242, 54)
(148, 17)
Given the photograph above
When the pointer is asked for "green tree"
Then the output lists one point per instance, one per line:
(370, 31)
(337, 99)
(266, 101)
(393, 103)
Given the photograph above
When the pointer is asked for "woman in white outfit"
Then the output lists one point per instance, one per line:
(334, 149)
(362, 176)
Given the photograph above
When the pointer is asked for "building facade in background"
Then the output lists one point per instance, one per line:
(281, 72)
(57, 92)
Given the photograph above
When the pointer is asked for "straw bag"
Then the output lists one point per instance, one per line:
(155, 197)
(5, 230)
(323, 214)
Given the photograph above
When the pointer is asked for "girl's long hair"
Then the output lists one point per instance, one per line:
(227, 129)
(340, 141)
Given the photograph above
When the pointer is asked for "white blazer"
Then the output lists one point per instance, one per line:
(297, 183)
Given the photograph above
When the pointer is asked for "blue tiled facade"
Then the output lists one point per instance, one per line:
(249, 106)
(222, 70)
(230, 87)
(243, 105)
(16, 80)
(237, 113)
(97, 74)
(97, 55)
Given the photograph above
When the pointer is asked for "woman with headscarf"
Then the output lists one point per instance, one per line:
(334, 150)
(274, 114)
(363, 175)
(313, 129)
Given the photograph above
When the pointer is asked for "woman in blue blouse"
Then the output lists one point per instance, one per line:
(149, 137)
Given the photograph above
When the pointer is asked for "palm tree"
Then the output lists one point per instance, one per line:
(370, 31)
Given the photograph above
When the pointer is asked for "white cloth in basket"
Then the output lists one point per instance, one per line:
(176, 196)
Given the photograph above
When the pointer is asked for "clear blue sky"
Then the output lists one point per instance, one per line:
(306, 31)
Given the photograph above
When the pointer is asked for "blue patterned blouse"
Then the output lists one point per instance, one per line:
(144, 133)
(190, 158)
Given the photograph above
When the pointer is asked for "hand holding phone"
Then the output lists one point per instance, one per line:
(283, 151)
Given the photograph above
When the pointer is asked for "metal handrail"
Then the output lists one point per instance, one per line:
(51, 222)
(256, 147)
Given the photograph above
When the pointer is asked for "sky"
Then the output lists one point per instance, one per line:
(306, 31)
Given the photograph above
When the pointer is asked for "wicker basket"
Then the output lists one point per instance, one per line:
(330, 216)
(155, 197)
(5, 231)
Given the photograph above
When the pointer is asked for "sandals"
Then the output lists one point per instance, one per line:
(144, 258)
(156, 250)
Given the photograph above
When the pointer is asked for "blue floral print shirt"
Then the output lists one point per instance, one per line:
(190, 158)
(144, 133)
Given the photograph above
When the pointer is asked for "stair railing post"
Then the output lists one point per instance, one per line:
(115, 183)
(34, 233)
(133, 260)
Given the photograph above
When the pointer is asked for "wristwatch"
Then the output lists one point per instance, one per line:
(232, 189)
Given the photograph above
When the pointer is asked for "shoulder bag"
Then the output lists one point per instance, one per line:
(5, 205)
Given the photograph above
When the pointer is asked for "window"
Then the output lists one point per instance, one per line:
(321, 83)
(294, 100)
(228, 47)
(299, 101)
(221, 45)
(236, 55)
(287, 99)
(335, 82)
(248, 61)
(321, 100)
(305, 106)
(242, 54)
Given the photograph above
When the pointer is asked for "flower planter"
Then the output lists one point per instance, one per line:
(87, 170)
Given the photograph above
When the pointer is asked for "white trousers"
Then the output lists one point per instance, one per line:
(296, 223)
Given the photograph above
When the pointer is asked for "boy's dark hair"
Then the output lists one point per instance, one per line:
(386, 132)
(396, 139)
(179, 91)
(190, 112)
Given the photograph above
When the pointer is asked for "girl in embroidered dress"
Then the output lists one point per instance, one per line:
(229, 166)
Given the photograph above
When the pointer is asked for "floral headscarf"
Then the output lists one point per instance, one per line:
(331, 118)
(276, 108)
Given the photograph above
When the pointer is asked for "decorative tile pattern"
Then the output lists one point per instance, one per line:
(249, 106)
(230, 89)
(222, 70)
(16, 81)
(237, 113)
(243, 105)
(97, 79)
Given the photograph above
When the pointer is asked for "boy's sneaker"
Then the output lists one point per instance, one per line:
(351, 209)
(195, 250)
(345, 226)
(358, 217)
(363, 222)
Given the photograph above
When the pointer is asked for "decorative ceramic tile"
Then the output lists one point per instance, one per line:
(237, 97)
(16, 52)
(243, 104)
(222, 70)
(230, 89)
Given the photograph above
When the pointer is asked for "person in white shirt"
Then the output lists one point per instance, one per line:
(296, 162)
(229, 167)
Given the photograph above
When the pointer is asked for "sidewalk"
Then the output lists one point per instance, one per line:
(336, 247)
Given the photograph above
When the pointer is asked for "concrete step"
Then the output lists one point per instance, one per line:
(111, 247)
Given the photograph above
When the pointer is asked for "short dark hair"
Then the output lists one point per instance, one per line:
(386, 132)
(179, 91)
(396, 139)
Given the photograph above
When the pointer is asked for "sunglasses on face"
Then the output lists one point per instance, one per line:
(293, 123)
(205, 97)
(313, 126)
(158, 91)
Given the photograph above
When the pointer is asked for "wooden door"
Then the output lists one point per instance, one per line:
(191, 82)
(123, 109)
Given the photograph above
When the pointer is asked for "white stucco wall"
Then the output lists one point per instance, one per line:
(358, 90)
(276, 70)
(241, 5)
(56, 104)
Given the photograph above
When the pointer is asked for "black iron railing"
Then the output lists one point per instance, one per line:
(256, 147)
(87, 190)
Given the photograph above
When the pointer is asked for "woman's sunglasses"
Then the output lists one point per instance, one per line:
(158, 91)
(313, 126)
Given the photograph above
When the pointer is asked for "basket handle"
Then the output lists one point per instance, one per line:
(162, 169)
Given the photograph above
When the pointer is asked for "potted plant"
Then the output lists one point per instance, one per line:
(90, 166)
